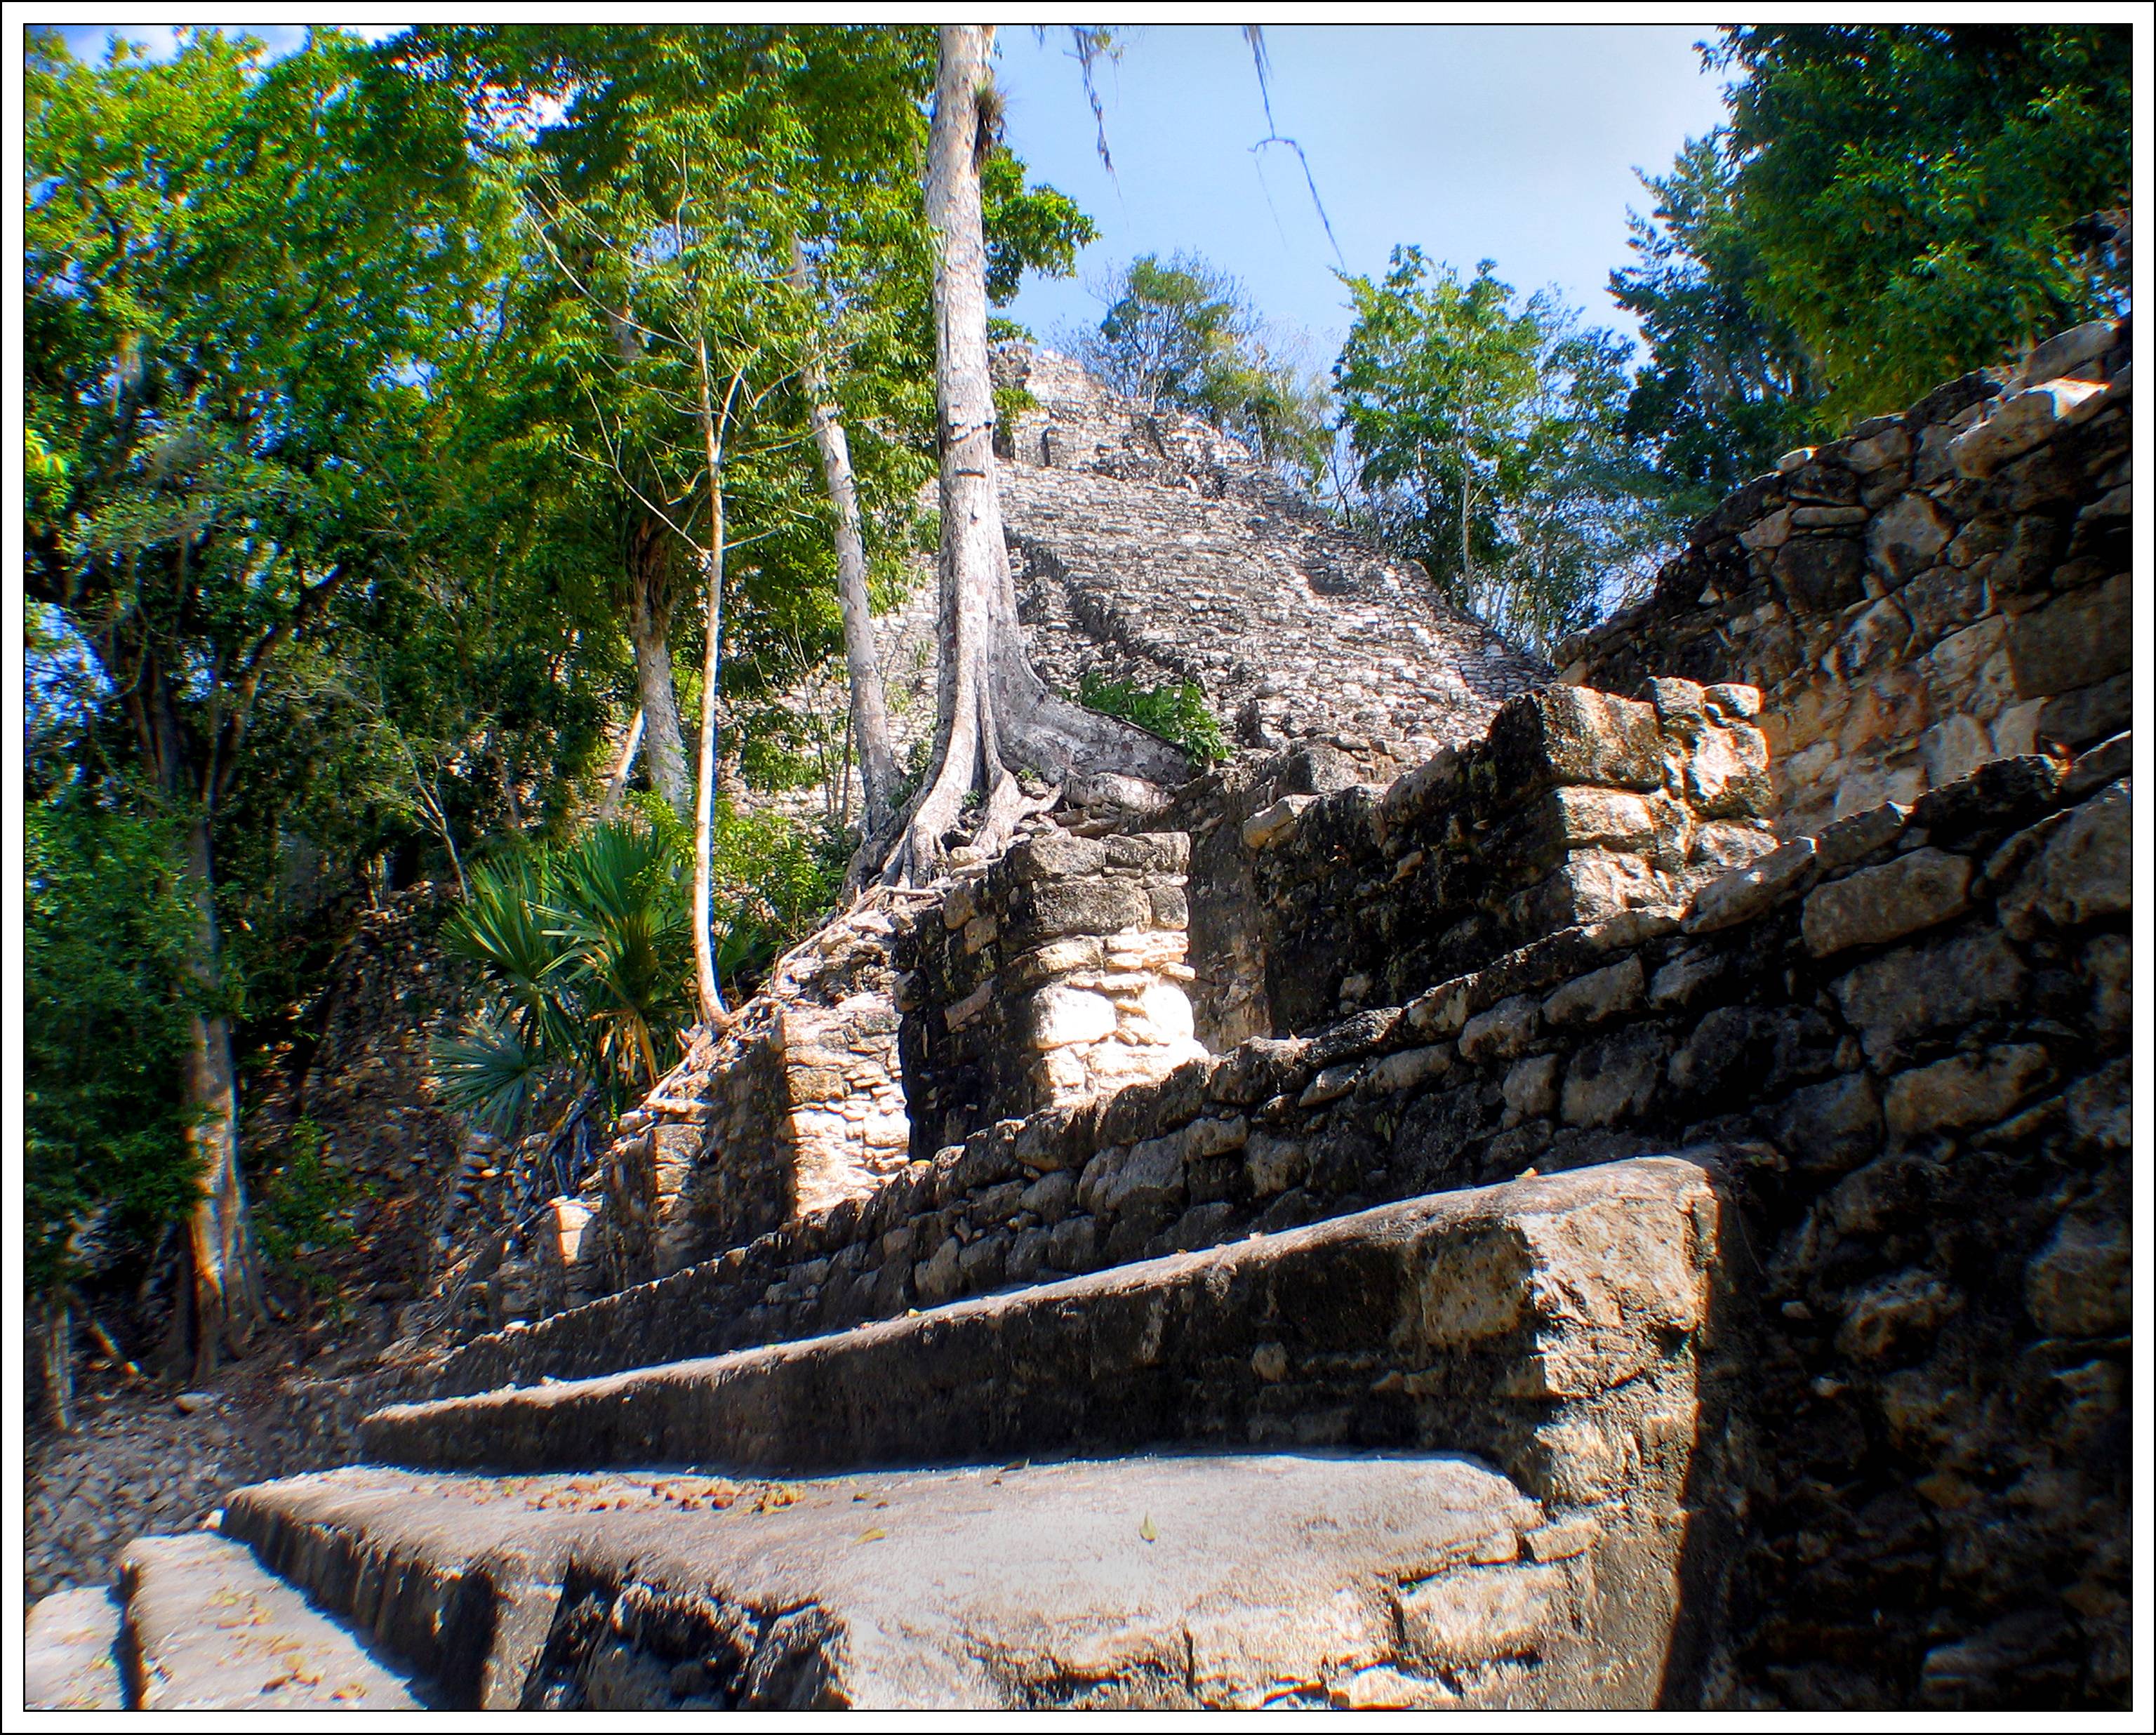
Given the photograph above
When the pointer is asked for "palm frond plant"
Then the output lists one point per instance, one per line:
(585, 951)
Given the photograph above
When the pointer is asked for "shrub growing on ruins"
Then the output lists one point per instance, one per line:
(1175, 710)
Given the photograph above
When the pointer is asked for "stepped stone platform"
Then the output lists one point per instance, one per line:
(1456, 1451)
(1631, 1234)
(1210, 1580)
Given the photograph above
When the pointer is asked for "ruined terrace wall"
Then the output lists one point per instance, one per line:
(1942, 588)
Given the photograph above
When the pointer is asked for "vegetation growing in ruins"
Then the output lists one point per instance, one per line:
(1176, 711)
(404, 423)
(1183, 334)
(1887, 206)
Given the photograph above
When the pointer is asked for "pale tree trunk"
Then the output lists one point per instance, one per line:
(871, 720)
(223, 1277)
(650, 621)
(617, 784)
(994, 712)
(60, 1360)
(710, 1004)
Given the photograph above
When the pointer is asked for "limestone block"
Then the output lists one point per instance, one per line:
(1073, 1244)
(1727, 774)
(1574, 735)
(1410, 1068)
(1595, 884)
(1768, 534)
(1821, 572)
(1895, 1315)
(1599, 994)
(961, 1013)
(1908, 536)
(2073, 640)
(1061, 1015)
(1908, 994)
(1480, 1612)
(2069, 352)
(937, 1278)
(1832, 1128)
(1503, 1031)
(2080, 1286)
(1053, 909)
(1751, 890)
(1165, 1011)
(1275, 824)
(1273, 1163)
(1876, 905)
(1736, 701)
(1054, 856)
(1616, 1077)
(1878, 451)
(2020, 423)
(1681, 704)
(1530, 1088)
(1966, 1090)
(2086, 873)
(960, 906)
(1151, 1175)
(1858, 835)
(1615, 817)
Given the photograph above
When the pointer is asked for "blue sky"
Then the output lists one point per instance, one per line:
(1513, 142)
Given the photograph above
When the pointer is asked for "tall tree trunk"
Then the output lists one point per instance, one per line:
(617, 783)
(650, 621)
(871, 720)
(60, 1360)
(711, 1003)
(993, 711)
(222, 1272)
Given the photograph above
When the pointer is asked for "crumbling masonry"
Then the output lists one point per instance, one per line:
(1693, 1089)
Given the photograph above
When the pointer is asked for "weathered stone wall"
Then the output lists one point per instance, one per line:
(1909, 1036)
(796, 1107)
(1149, 547)
(1055, 973)
(1942, 588)
(1309, 903)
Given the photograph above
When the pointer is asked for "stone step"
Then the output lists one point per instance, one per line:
(1542, 1323)
(71, 1652)
(206, 1628)
(1210, 1580)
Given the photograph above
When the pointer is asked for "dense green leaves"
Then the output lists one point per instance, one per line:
(1889, 206)
(1184, 334)
(105, 927)
(1487, 441)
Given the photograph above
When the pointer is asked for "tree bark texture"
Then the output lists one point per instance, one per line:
(994, 714)
(223, 1273)
(617, 783)
(711, 1003)
(871, 718)
(650, 622)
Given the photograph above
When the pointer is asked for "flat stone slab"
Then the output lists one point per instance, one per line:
(70, 1652)
(207, 1628)
(1224, 1580)
(1463, 1322)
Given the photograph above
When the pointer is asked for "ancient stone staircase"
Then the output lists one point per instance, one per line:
(1580, 1246)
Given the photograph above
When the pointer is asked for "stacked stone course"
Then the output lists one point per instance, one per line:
(1056, 973)
(1940, 588)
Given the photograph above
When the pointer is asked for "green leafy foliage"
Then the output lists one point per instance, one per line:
(585, 952)
(1176, 711)
(1488, 442)
(1888, 206)
(106, 925)
(303, 1209)
(1184, 334)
